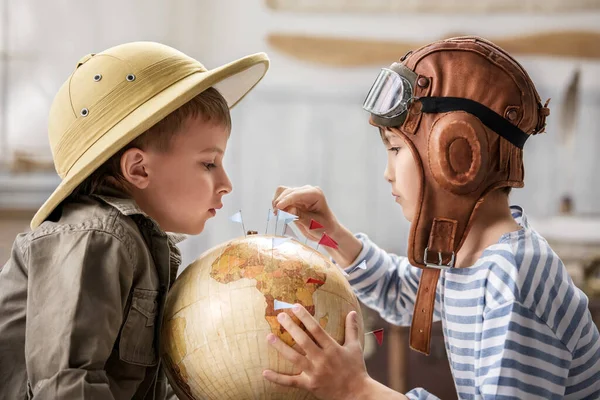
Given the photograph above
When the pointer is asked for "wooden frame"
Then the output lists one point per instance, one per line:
(432, 6)
(352, 52)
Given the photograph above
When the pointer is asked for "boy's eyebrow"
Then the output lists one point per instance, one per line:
(388, 135)
(213, 150)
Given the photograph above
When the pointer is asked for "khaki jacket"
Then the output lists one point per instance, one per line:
(81, 303)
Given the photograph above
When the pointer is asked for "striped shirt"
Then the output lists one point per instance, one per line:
(515, 326)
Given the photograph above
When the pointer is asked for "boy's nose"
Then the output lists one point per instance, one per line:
(225, 186)
(387, 175)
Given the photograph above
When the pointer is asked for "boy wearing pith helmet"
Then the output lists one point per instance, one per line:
(138, 134)
(454, 116)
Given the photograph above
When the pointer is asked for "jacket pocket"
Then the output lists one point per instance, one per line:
(137, 344)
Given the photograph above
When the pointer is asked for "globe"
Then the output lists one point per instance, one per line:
(222, 306)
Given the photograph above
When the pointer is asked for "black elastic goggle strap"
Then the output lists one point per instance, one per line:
(489, 117)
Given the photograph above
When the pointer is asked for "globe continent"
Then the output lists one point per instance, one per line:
(221, 308)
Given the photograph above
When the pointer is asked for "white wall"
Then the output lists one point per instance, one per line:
(303, 124)
(330, 143)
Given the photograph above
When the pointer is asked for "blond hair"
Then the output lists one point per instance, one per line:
(208, 105)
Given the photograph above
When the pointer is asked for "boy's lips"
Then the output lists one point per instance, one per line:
(213, 211)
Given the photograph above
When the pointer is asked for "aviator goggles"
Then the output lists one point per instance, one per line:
(392, 94)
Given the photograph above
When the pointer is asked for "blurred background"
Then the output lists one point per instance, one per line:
(304, 123)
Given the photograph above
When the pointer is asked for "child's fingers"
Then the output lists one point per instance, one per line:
(303, 340)
(279, 192)
(307, 202)
(291, 210)
(288, 353)
(351, 328)
(306, 197)
(284, 380)
(323, 339)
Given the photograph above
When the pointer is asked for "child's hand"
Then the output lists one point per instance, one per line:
(308, 203)
(329, 371)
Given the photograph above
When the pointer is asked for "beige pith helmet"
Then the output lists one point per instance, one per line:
(114, 96)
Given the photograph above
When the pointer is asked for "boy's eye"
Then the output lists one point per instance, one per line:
(394, 149)
(209, 166)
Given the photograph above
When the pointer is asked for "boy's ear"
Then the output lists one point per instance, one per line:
(133, 167)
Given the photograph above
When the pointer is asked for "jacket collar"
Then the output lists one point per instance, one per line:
(127, 206)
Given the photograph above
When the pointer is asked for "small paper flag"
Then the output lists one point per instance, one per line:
(288, 231)
(237, 217)
(362, 265)
(280, 305)
(378, 335)
(314, 225)
(269, 215)
(285, 216)
(278, 241)
(328, 241)
(317, 281)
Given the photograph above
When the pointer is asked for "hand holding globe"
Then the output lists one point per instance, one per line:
(222, 307)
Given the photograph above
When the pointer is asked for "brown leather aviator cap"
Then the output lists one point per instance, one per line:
(472, 109)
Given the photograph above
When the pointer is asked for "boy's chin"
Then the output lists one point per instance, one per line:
(407, 215)
(191, 229)
(196, 230)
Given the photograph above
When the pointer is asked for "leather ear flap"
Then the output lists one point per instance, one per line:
(458, 152)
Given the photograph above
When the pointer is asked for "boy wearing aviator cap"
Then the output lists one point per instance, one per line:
(138, 133)
(454, 116)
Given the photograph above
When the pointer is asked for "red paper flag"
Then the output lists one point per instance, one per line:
(378, 335)
(314, 225)
(313, 280)
(327, 241)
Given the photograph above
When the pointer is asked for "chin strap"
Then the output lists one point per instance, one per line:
(440, 247)
(420, 328)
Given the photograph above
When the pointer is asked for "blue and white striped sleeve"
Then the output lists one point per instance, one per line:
(420, 394)
(519, 356)
(389, 283)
